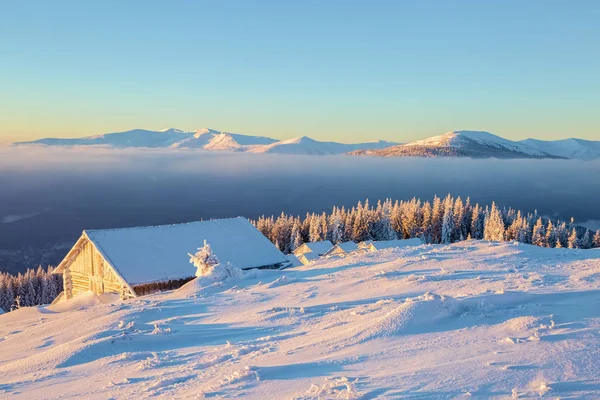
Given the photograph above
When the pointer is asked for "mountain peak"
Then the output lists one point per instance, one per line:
(170, 130)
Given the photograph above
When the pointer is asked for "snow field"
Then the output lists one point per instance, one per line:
(468, 320)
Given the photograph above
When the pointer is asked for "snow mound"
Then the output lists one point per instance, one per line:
(83, 300)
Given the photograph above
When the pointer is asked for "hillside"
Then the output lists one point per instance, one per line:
(567, 148)
(308, 146)
(469, 320)
(472, 144)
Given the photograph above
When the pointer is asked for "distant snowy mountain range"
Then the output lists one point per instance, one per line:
(211, 140)
(475, 144)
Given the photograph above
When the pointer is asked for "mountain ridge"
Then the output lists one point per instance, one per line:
(481, 144)
(462, 143)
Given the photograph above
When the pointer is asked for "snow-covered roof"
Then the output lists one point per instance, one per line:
(306, 258)
(149, 254)
(346, 247)
(319, 248)
(386, 244)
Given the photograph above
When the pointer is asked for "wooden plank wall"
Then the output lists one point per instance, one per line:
(89, 271)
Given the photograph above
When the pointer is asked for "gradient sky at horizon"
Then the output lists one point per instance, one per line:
(332, 70)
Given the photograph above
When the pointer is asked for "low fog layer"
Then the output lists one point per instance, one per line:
(49, 195)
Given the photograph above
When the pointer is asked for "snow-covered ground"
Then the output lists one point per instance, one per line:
(469, 320)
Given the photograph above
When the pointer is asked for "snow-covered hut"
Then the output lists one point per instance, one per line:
(371, 245)
(319, 248)
(307, 258)
(342, 248)
(139, 260)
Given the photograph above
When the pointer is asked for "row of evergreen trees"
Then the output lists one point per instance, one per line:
(445, 220)
(29, 289)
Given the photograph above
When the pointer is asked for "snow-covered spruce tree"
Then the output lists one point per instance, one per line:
(573, 242)
(550, 235)
(465, 227)
(283, 232)
(437, 216)
(325, 228)
(204, 260)
(315, 234)
(477, 223)
(10, 293)
(382, 226)
(296, 236)
(597, 238)
(55, 284)
(459, 214)
(523, 232)
(513, 228)
(494, 225)
(410, 218)
(3, 301)
(39, 286)
(538, 237)
(387, 230)
(448, 221)
(426, 232)
(337, 229)
(361, 225)
(396, 218)
(586, 241)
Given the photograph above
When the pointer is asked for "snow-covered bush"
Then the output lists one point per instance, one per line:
(204, 260)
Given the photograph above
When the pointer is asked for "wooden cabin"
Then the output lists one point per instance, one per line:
(136, 261)
(307, 258)
(318, 248)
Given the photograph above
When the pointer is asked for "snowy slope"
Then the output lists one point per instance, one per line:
(306, 145)
(474, 144)
(567, 148)
(469, 320)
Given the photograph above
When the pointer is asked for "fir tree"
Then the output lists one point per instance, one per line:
(597, 238)
(361, 225)
(494, 225)
(426, 231)
(476, 223)
(337, 229)
(550, 235)
(386, 230)
(3, 300)
(437, 216)
(459, 214)
(349, 225)
(573, 240)
(448, 222)
(538, 236)
(316, 233)
(586, 241)
(296, 236)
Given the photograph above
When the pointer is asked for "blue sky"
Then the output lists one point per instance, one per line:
(333, 70)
